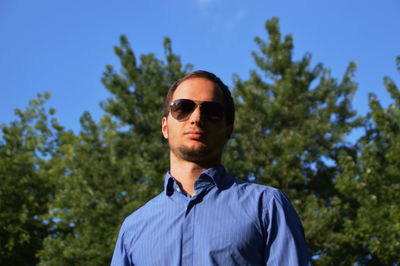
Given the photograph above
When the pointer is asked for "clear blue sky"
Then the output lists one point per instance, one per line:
(62, 47)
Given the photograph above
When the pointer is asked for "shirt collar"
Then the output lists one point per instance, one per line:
(211, 176)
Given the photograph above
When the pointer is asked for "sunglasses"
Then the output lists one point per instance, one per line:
(181, 109)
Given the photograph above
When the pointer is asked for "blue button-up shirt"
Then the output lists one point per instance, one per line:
(226, 222)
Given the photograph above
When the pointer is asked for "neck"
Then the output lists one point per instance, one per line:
(186, 172)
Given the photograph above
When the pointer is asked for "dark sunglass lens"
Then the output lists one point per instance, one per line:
(213, 110)
(182, 108)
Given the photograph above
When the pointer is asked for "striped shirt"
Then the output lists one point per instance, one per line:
(226, 222)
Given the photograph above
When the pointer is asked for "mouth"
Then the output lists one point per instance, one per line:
(196, 135)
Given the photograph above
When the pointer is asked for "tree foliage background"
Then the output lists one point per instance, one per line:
(63, 195)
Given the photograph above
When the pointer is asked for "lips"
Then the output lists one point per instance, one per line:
(197, 135)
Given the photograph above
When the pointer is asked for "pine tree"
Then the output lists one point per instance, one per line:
(372, 184)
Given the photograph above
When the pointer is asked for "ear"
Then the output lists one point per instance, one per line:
(164, 127)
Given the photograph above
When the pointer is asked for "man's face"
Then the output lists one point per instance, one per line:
(197, 139)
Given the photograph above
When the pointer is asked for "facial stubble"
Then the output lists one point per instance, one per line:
(191, 154)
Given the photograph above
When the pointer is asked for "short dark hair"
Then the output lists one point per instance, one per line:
(228, 100)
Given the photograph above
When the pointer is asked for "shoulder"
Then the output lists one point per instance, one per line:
(257, 192)
(267, 200)
(272, 205)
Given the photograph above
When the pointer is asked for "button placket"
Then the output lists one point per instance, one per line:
(188, 231)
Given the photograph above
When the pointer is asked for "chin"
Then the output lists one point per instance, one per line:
(198, 153)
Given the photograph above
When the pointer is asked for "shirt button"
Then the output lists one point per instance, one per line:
(178, 189)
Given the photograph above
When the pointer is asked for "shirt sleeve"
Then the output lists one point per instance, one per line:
(120, 256)
(285, 241)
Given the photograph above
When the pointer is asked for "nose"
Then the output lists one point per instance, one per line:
(196, 117)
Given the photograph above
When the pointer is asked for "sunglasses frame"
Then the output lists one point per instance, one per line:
(200, 104)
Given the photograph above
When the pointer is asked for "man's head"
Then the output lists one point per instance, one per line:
(202, 117)
(228, 100)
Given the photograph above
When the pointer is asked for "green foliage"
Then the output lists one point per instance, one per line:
(372, 183)
(292, 118)
(63, 195)
(26, 178)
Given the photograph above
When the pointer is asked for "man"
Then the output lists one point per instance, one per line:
(204, 216)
